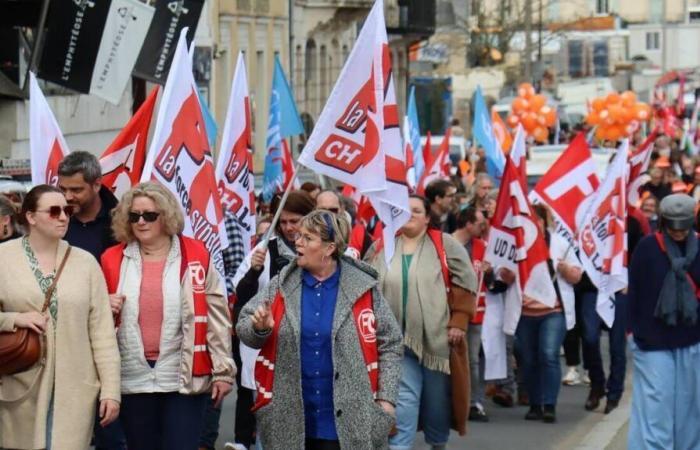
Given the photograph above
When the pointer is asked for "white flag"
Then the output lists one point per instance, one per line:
(602, 237)
(47, 147)
(124, 32)
(357, 139)
(181, 160)
(234, 168)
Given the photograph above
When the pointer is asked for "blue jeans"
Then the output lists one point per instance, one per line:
(538, 340)
(476, 364)
(426, 395)
(210, 425)
(110, 437)
(591, 345)
(665, 399)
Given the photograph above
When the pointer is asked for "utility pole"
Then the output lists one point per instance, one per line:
(528, 40)
(664, 61)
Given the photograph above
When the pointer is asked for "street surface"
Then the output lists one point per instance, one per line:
(576, 428)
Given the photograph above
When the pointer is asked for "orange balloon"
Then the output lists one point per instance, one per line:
(537, 102)
(642, 112)
(629, 98)
(550, 115)
(593, 118)
(612, 98)
(617, 113)
(513, 120)
(605, 118)
(615, 132)
(526, 90)
(601, 132)
(529, 121)
(540, 134)
(520, 105)
(598, 104)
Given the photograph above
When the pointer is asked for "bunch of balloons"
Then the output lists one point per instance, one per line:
(531, 111)
(617, 116)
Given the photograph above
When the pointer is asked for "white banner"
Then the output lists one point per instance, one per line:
(124, 33)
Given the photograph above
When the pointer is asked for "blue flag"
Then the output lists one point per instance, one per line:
(414, 134)
(483, 133)
(209, 122)
(283, 121)
(289, 116)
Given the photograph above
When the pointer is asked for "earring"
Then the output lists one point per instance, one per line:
(4, 229)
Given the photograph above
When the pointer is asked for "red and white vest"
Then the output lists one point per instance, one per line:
(363, 315)
(194, 262)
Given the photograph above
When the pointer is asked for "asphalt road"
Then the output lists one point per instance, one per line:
(575, 429)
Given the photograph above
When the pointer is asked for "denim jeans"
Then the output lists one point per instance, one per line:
(539, 340)
(665, 399)
(424, 395)
(592, 357)
(476, 364)
(110, 437)
(210, 425)
(162, 420)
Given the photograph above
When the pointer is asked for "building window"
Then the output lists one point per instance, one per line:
(653, 40)
(575, 58)
(600, 59)
(602, 6)
(310, 79)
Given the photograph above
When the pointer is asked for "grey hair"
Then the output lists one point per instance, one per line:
(81, 162)
(318, 222)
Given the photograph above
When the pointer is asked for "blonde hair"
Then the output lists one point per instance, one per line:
(166, 204)
(321, 222)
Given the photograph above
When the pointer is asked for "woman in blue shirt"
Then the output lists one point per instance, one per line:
(329, 366)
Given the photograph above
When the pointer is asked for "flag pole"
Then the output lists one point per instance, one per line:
(275, 219)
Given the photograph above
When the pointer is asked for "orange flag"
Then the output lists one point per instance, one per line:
(502, 134)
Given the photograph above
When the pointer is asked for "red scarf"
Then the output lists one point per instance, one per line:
(193, 263)
(362, 312)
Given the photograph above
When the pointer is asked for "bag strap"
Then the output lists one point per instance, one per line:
(49, 291)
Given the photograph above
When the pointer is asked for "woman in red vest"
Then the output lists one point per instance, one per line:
(430, 285)
(174, 330)
(329, 365)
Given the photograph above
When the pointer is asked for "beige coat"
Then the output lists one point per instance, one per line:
(82, 361)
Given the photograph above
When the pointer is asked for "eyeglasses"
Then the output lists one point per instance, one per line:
(55, 211)
(148, 216)
(333, 210)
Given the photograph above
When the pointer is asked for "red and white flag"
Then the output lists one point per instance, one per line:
(566, 188)
(516, 242)
(438, 167)
(181, 160)
(638, 165)
(122, 162)
(234, 168)
(408, 154)
(602, 238)
(518, 154)
(357, 139)
(47, 147)
(288, 166)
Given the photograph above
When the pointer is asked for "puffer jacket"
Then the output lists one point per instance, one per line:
(361, 423)
(173, 370)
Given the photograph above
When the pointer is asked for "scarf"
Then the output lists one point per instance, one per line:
(677, 300)
(425, 334)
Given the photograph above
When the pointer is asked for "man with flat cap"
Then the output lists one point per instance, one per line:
(663, 303)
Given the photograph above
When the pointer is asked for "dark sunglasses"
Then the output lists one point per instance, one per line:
(148, 216)
(333, 210)
(55, 211)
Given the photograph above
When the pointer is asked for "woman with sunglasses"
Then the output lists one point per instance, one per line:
(329, 364)
(173, 323)
(48, 405)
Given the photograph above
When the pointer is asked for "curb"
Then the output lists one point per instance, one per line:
(607, 431)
